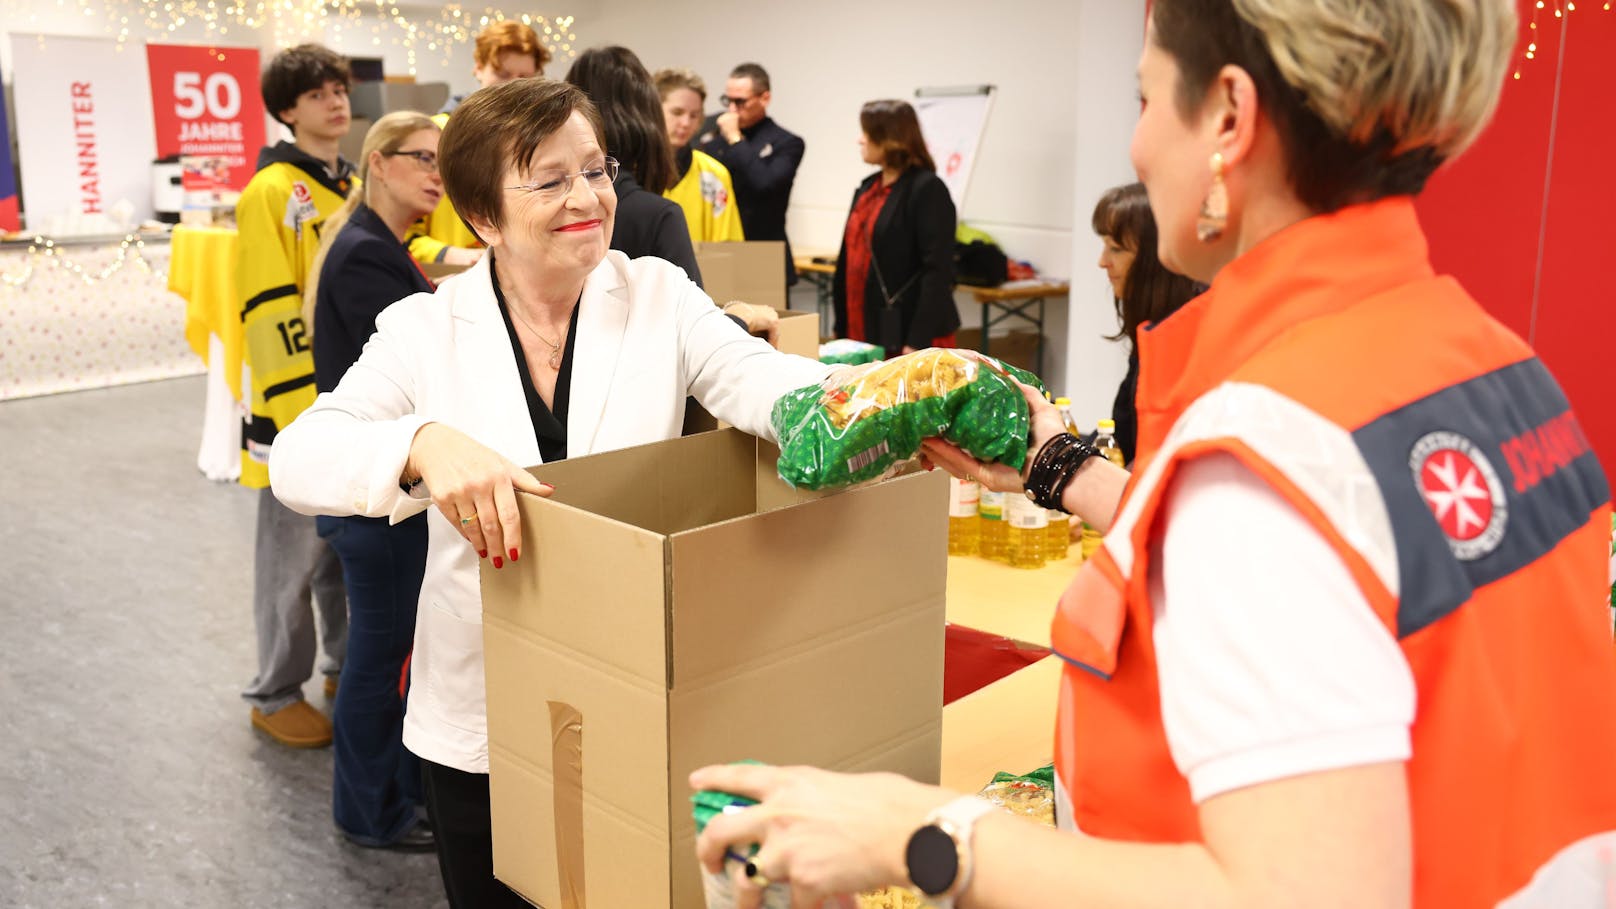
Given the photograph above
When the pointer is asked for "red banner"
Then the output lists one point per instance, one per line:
(205, 103)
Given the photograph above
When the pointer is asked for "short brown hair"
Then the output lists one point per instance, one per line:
(668, 80)
(297, 70)
(1150, 292)
(496, 127)
(1369, 96)
(894, 128)
(510, 37)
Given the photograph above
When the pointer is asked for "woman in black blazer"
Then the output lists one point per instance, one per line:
(360, 270)
(894, 282)
(631, 114)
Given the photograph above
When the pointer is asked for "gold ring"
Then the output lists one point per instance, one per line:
(756, 876)
(468, 519)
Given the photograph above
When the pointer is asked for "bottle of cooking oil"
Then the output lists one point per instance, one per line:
(964, 531)
(990, 513)
(1026, 535)
(1057, 535)
(1064, 404)
(1105, 440)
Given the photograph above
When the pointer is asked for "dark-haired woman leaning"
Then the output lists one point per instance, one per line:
(1144, 290)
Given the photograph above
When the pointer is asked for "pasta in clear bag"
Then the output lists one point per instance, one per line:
(855, 431)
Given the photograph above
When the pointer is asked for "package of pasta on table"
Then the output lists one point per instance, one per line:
(876, 416)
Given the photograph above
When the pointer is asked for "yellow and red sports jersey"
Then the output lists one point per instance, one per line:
(278, 221)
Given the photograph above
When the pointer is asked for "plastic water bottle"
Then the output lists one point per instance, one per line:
(964, 530)
(994, 539)
(1026, 535)
(1058, 535)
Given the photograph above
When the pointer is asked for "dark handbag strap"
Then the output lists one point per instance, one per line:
(891, 299)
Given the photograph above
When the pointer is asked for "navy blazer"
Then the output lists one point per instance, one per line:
(647, 224)
(367, 270)
(913, 241)
(763, 167)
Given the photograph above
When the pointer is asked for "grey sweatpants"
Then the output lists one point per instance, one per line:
(290, 562)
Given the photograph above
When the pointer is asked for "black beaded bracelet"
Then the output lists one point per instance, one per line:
(1053, 468)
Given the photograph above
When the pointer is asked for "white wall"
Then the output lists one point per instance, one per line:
(1109, 39)
(1044, 158)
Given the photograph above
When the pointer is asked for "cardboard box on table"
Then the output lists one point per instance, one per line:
(751, 272)
(677, 606)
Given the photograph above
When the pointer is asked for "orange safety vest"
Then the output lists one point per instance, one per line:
(1438, 457)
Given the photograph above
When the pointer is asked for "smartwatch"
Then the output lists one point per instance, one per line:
(939, 853)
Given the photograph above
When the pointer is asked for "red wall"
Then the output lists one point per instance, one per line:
(1485, 214)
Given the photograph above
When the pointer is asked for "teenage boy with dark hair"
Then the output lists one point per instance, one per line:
(298, 185)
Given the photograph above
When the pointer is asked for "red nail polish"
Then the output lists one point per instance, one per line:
(482, 553)
(499, 562)
(513, 555)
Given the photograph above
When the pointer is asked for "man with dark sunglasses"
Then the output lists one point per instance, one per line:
(762, 156)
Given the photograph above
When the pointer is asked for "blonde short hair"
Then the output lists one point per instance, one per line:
(1369, 97)
(1430, 71)
(674, 78)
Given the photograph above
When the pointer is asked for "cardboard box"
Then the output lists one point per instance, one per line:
(679, 605)
(752, 272)
(749, 272)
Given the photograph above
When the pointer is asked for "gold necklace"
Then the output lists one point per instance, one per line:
(555, 348)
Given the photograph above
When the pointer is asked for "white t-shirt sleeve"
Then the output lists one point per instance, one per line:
(1272, 663)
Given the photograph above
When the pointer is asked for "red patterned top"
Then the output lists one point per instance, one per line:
(860, 226)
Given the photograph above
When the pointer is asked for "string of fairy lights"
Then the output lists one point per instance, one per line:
(1542, 7)
(421, 31)
(131, 252)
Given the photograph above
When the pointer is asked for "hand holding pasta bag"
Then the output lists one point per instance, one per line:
(877, 417)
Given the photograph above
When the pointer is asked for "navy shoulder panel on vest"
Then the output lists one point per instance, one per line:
(1480, 479)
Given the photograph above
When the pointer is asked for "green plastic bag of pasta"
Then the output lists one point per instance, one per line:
(878, 418)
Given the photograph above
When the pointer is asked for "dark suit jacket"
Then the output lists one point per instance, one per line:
(366, 271)
(649, 225)
(763, 166)
(913, 241)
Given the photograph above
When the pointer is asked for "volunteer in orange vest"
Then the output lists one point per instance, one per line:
(1346, 643)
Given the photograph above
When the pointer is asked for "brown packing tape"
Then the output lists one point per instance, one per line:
(567, 757)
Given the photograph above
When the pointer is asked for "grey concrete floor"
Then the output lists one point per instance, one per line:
(129, 775)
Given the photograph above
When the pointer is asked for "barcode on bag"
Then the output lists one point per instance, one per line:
(867, 457)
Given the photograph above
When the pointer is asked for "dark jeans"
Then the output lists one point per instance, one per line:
(376, 782)
(457, 802)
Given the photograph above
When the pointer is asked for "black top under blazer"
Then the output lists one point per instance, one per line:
(366, 270)
(650, 225)
(914, 234)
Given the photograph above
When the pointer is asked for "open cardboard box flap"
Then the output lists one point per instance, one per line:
(683, 607)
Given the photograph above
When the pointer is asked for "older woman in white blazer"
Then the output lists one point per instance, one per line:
(550, 347)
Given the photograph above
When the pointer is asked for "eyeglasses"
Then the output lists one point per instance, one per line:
(427, 160)
(728, 101)
(549, 186)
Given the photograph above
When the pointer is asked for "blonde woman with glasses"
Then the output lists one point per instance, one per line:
(1342, 647)
(361, 269)
(553, 346)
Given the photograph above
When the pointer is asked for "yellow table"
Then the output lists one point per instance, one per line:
(202, 270)
(1008, 725)
(1016, 603)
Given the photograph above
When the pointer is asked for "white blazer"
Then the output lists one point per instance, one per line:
(647, 338)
